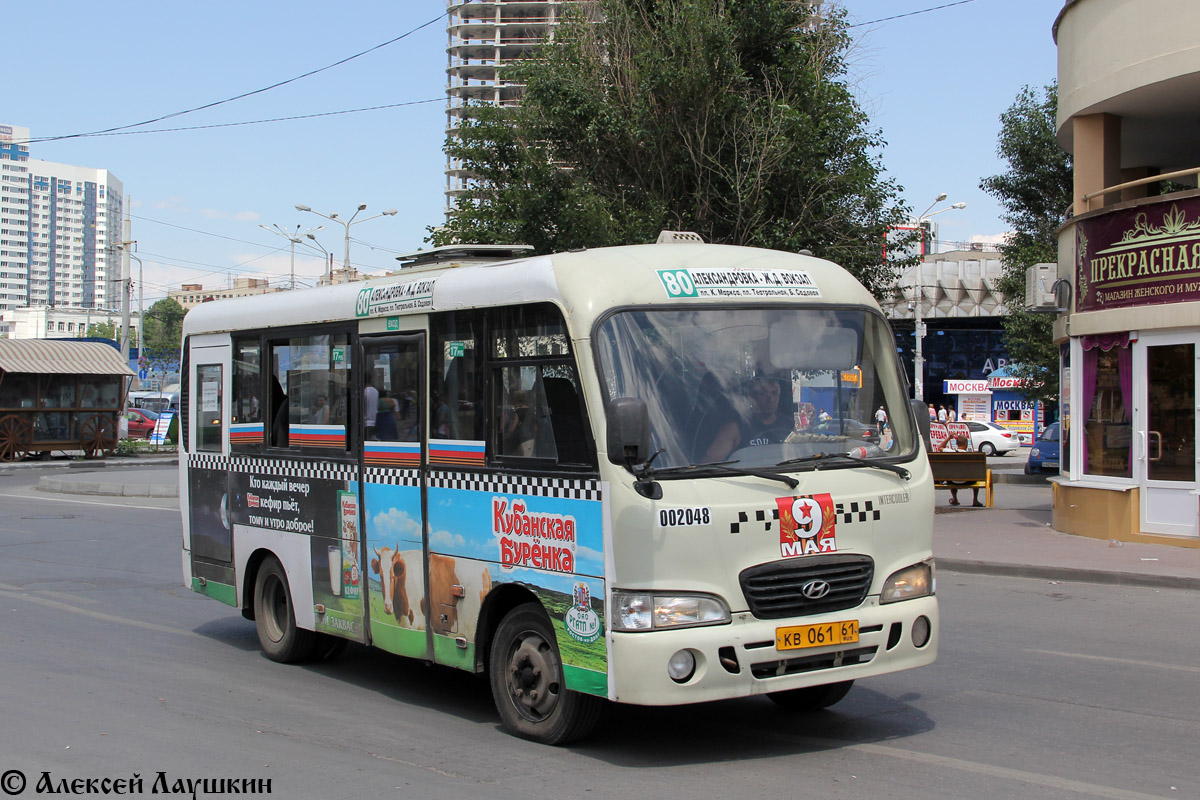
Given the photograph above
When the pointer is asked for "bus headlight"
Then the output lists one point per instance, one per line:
(908, 583)
(642, 612)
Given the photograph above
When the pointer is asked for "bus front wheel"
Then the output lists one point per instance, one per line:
(527, 682)
(811, 698)
(275, 619)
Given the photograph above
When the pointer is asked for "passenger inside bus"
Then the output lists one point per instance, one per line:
(518, 427)
(279, 415)
(569, 438)
(386, 427)
(320, 411)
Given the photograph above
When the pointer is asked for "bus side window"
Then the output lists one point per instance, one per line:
(394, 374)
(455, 376)
(247, 388)
(309, 393)
(209, 422)
(536, 410)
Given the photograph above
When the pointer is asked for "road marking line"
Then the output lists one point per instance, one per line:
(14, 593)
(64, 596)
(1037, 779)
(1123, 661)
(96, 502)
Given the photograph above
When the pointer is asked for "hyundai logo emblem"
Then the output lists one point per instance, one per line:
(815, 590)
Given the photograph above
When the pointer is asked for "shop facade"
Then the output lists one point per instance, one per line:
(1128, 289)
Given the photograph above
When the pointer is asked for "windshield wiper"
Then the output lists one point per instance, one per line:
(844, 461)
(670, 473)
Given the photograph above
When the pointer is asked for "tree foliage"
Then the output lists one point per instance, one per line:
(102, 330)
(1035, 192)
(162, 336)
(730, 118)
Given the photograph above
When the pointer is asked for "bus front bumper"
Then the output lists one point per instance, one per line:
(741, 659)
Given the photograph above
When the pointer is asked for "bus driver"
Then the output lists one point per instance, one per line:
(766, 425)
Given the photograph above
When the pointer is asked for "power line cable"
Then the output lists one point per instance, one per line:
(196, 230)
(264, 121)
(910, 13)
(240, 96)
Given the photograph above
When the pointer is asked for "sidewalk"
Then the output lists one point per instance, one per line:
(1013, 538)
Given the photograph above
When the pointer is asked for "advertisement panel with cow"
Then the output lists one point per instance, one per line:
(521, 533)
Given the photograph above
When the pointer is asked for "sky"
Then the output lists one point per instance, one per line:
(935, 83)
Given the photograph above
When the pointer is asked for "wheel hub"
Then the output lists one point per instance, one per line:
(532, 678)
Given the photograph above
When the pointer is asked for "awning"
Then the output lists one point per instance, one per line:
(61, 357)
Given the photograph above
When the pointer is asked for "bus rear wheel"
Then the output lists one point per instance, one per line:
(811, 698)
(275, 618)
(528, 685)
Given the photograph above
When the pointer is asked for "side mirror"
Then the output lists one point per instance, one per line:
(628, 431)
(921, 411)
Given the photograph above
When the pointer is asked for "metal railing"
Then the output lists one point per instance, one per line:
(1166, 176)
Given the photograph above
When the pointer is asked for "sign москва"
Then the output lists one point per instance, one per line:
(1139, 256)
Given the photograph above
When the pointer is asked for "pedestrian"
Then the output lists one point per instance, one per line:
(881, 419)
(952, 415)
(974, 497)
(941, 415)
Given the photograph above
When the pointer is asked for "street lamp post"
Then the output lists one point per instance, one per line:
(391, 212)
(918, 302)
(328, 258)
(294, 239)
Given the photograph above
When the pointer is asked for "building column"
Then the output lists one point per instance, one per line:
(1097, 159)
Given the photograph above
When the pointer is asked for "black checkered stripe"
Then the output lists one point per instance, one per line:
(764, 518)
(847, 514)
(313, 470)
(515, 484)
(392, 476)
(208, 461)
(856, 512)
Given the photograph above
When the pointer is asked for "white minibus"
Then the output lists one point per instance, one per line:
(651, 474)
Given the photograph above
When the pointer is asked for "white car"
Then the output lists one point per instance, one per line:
(992, 439)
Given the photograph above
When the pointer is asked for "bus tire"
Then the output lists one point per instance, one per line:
(275, 619)
(528, 685)
(811, 698)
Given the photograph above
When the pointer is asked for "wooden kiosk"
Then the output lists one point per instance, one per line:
(60, 394)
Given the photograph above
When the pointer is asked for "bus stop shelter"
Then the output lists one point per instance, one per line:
(58, 394)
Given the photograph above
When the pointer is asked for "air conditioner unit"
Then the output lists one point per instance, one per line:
(1039, 288)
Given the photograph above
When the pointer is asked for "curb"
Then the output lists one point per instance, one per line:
(59, 486)
(120, 462)
(1019, 477)
(1072, 574)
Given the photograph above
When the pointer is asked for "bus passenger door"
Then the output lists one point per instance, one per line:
(208, 466)
(393, 498)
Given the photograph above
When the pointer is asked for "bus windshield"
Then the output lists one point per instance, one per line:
(759, 386)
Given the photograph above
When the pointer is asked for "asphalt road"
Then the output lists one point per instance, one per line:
(111, 668)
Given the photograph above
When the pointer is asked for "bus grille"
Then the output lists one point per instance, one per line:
(773, 590)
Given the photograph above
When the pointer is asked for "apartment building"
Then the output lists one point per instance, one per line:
(484, 37)
(60, 226)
